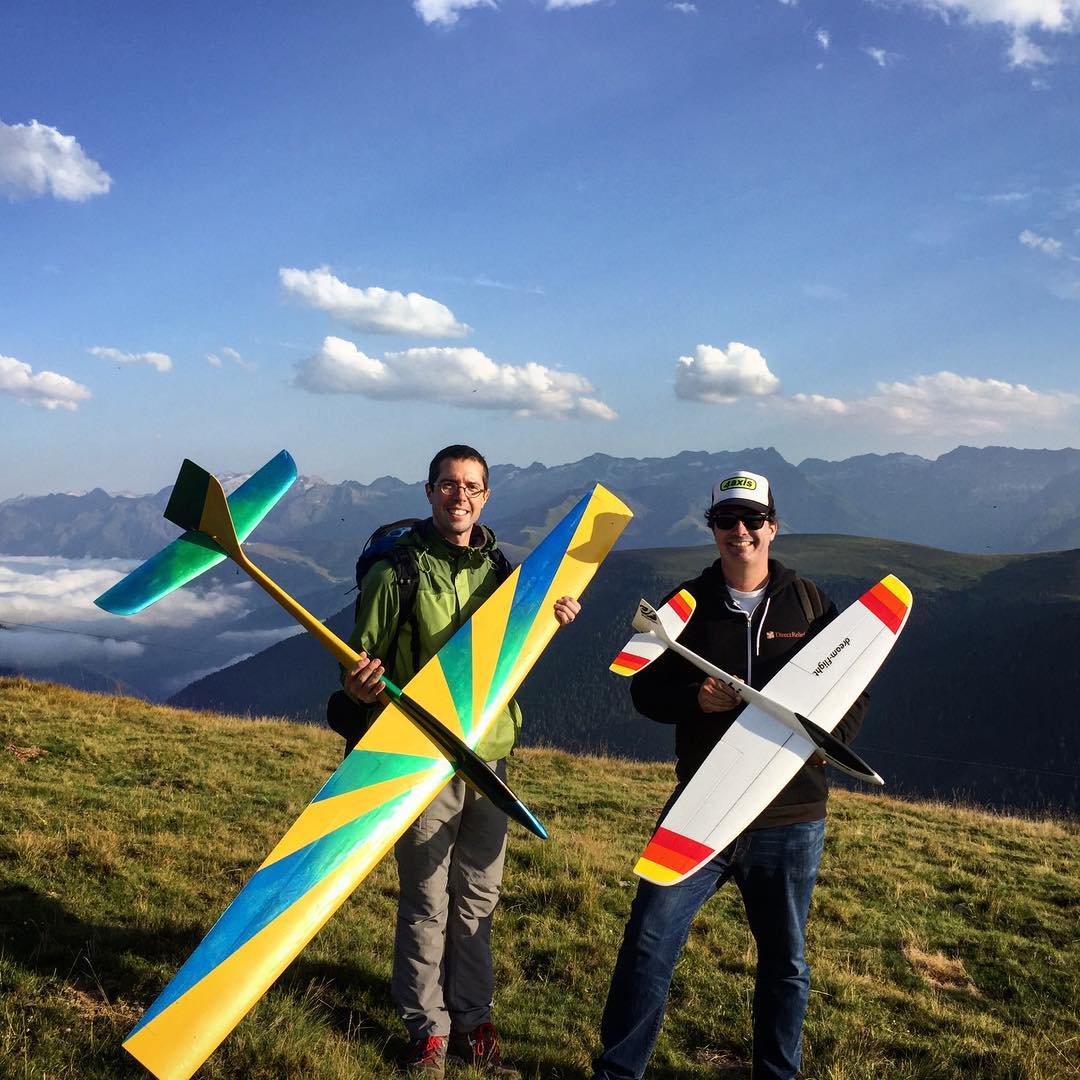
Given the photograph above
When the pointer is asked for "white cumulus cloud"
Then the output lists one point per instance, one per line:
(46, 389)
(26, 649)
(558, 5)
(48, 601)
(684, 8)
(1018, 16)
(375, 310)
(158, 361)
(962, 405)
(457, 376)
(724, 376)
(1053, 15)
(1046, 244)
(445, 12)
(36, 159)
(824, 38)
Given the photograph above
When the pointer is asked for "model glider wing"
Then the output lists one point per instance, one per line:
(758, 754)
(193, 553)
(377, 791)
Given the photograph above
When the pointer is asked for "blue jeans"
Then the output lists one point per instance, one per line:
(775, 870)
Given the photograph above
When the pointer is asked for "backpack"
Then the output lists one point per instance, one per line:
(343, 715)
(809, 599)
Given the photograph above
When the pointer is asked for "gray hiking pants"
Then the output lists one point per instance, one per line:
(450, 865)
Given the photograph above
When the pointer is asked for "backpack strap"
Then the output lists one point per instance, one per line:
(809, 599)
(403, 562)
(503, 569)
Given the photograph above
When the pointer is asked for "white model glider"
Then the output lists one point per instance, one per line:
(781, 726)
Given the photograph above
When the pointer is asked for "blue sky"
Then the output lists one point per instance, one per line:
(545, 227)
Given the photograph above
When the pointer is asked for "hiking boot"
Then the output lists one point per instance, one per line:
(479, 1049)
(426, 1057)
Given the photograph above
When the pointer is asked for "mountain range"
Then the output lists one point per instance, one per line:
(989, 646)
(975, 500)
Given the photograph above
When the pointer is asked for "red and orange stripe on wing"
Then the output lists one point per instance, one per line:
(669, 856)
(890, 601)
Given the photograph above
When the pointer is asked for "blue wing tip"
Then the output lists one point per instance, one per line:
(530, 821)
(113, 604)
(287, 459)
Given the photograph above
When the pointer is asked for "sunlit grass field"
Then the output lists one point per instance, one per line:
(943, 940)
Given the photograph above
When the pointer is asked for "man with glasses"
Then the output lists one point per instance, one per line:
(752, 614)
(450, 861)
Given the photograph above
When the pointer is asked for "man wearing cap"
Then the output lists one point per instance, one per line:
(752, 615)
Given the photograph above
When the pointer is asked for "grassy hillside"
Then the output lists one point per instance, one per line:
(943, 941)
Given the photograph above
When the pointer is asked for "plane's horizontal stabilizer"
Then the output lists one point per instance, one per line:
(193, 553)
(643, 648)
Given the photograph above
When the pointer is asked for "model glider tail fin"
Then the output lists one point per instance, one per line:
(669, 620)
(646, 619)
(658, 628)
(192, 554)
(198, 503)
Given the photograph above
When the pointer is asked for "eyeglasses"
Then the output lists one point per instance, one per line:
(726, 522)
(450, 487)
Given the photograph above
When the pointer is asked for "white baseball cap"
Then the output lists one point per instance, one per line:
(743, 491)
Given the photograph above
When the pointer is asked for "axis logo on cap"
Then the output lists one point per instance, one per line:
(739, 482)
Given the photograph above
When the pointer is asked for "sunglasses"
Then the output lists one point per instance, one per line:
(725, 522)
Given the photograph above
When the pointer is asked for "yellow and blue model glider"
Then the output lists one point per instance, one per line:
(381, 786)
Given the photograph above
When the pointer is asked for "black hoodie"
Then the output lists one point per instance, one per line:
(754, 649)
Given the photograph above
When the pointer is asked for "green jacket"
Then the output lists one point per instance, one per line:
(454, 582)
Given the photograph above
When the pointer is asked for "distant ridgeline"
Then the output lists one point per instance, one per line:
(978, 700)
(983, 500)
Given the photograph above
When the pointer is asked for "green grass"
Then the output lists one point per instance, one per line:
(943, 940)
